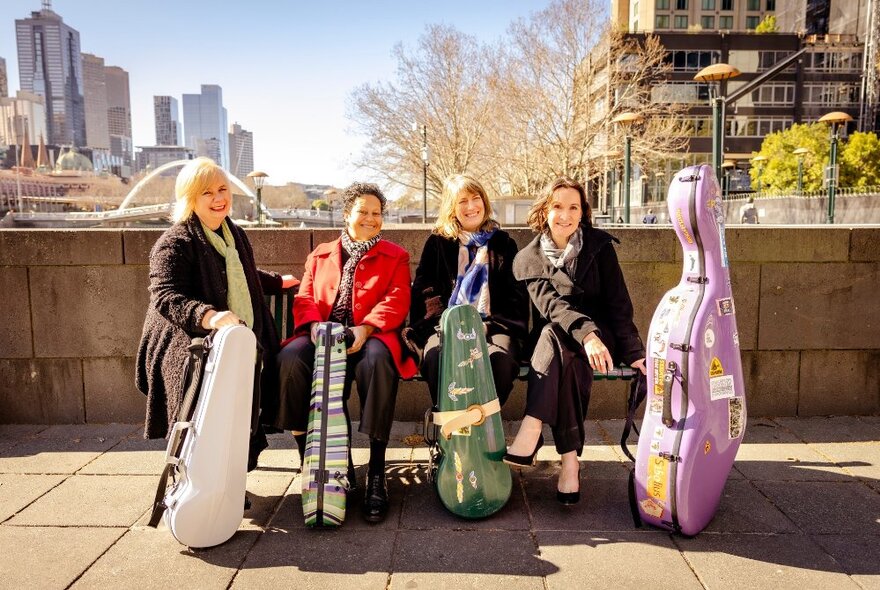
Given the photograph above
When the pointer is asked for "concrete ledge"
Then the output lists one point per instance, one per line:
(110, 392)
(771, 380)
(16, 340)
(836, 382)
(781, 244)
(865, 244)
(31, 247)
(41, 391)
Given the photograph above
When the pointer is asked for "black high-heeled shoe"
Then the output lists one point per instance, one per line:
(568, 498)
(528, 460)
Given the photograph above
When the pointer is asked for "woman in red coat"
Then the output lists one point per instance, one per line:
(362, 282)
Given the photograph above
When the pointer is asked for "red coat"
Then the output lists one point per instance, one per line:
(380, 295)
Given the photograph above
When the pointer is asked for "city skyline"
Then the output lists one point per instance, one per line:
(286, 71)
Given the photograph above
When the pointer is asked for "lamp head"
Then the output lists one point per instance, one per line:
(258, 177)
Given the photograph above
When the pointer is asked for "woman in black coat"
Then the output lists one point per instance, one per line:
(584, 324)
(468, 259)
(195, 289)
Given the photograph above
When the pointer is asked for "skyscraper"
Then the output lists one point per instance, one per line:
(204, 124)
(168, 131)
(4, 80)
(241, 151)
(119, 117)
(50, 65)
(95, 101)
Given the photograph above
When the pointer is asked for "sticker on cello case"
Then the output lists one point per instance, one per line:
(472, 335)
(454, 391)
(707, 447)
(725, 306)
(473, 479)
(658, 431)
(709, 337)
(736, 339)
(735, 417)
(659, 375)
(476, 354)
(683, 227)
(652, 507)
(657, 477)
(655, 446)
(459, 478)
(721, 387)
(691, 262)
(715, 368)
(463, 431)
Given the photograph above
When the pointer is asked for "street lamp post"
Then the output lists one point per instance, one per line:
(259, 179)
(714, 75)
(426, 156)
(758, 161)
(626, 121)
(835, 120)
(800, 152)
(727, 166)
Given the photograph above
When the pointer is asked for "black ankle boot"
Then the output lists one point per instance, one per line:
(375, 506)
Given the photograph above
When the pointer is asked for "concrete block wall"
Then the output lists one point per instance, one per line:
(807, 306)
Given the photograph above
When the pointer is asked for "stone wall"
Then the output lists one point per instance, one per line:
(807, 301)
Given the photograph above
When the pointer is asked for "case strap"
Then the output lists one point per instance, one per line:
(474, 415)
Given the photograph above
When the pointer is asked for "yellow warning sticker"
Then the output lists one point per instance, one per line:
(715, 368)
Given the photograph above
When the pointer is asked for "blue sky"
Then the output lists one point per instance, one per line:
(286, 68)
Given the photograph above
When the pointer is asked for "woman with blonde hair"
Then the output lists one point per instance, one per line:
(584, 324)
(203, 276)
(468, 259)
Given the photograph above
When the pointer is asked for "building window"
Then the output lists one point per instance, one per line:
(661, 21)
(681, 4)
(726, 4)
(771, 4)
(753, 5)
(691, 61)
(681, 22)
(662, 5)
(752, 22)
(725, 22)
(708, 4)
(707, 22)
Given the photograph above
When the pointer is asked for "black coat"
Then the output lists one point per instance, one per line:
(188, 279)
(596, 300)
(436, 275)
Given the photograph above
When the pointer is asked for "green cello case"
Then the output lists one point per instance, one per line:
(470, 477)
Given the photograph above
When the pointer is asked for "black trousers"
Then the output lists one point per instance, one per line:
(560, 379)
(372, 368)
(503, 356)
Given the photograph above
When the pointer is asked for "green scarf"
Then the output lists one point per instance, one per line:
(238, 296)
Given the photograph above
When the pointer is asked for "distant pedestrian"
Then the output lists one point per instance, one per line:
(650, 217)
(749, 213)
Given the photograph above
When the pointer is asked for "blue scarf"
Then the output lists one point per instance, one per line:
(472, 282)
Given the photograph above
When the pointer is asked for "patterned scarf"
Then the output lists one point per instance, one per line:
(472, 282)
(565, 259)
(238, 296)
(342, 307)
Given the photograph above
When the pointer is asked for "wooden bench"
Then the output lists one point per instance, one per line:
(281, 307)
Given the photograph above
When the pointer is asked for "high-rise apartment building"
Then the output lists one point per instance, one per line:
(241, 151)
(205, 126)
(119, 117)
(27, 111)
(4, 79)
(50, 65)
(95, 101)
(168, 130)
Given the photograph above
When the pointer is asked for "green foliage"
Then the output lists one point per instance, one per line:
(860, 160)
(320, 205)
(768, 25)
(779, 172)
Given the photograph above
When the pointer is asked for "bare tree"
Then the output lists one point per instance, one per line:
(442, 84)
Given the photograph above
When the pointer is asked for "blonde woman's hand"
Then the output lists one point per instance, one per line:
(217, 319)
(361, 333)
(288, 281)
(597, 353)
(640, 365)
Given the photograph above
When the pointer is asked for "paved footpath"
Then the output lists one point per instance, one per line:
(801, 510)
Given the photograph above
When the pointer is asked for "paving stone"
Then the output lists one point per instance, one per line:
(132, 456)
(95, 431)
(148, 558)
(859, 555)
(49, 558)
(52, 455)
(320, 558)
(604, 504)
(743, 509)
(91, 500)
(618, 560)
(834, 429)
(744, 562)
(859, 459)
(826, 507)
(423, 509)
(265, 491)
(20, 430)
(787, 462)
(17, 491)
(468, 559)
(765, 430)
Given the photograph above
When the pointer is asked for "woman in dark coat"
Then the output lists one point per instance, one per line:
(584, 324)
(468, 259)
(195, 289)
(363, 282)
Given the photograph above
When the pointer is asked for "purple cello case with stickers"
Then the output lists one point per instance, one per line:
(695, 410)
